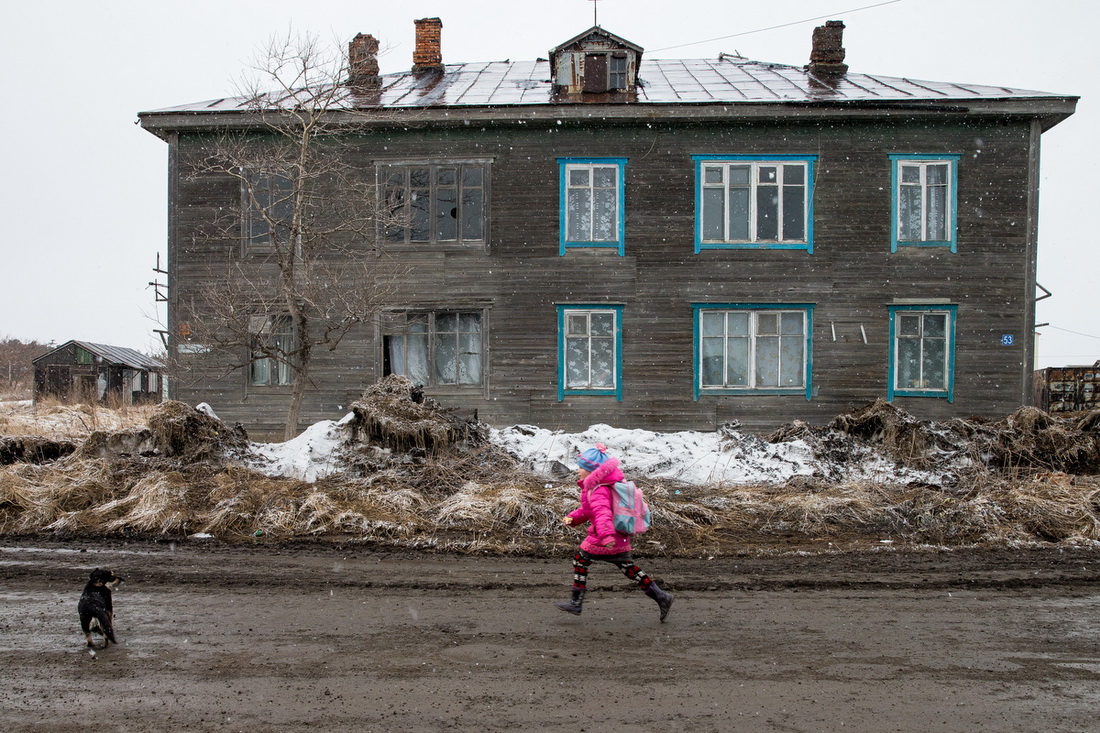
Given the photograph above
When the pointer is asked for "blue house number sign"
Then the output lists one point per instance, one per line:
(1007, 339)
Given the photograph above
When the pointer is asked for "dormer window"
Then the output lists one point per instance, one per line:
(595, 66)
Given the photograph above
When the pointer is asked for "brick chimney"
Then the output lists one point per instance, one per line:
(827, 55)
(427, 55)
(363, 63)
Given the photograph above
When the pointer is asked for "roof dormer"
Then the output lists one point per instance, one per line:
(595, 66)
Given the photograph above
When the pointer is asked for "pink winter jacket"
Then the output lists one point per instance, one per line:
(596, 508)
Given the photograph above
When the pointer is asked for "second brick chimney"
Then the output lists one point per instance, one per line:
(363, 63)
(427, 56)
(827, 54)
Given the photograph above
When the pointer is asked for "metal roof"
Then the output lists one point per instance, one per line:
(727, 80)
(119, 355)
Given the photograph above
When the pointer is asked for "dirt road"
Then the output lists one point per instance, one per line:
(331, 638)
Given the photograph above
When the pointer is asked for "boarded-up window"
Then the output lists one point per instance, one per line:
(595, 72)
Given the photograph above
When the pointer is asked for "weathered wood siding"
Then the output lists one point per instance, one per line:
(851, 276)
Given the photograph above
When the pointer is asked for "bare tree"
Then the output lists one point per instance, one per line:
(16, 366)
(304, 267)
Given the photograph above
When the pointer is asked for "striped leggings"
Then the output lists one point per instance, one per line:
(623, 561)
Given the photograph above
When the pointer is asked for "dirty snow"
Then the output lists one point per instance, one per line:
(700, 458)
(720, 458)
(312, 455)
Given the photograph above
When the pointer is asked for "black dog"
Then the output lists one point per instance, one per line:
(95, 607)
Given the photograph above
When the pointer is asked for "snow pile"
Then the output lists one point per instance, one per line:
(314, 454)
(721, 458)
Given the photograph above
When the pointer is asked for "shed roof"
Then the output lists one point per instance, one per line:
(115, 355)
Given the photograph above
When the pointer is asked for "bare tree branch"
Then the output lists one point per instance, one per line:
(302, 265)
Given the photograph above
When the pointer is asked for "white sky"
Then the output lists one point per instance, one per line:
(83, 189)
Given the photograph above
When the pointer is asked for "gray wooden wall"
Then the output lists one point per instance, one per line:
(851, 275)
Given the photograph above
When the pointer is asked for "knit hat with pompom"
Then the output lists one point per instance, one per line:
(591, 459)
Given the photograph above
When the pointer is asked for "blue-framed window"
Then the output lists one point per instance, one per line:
(753, 349)
(922, 351)
(590, 340)
(750, 201)
(592, 203)
(923, 201)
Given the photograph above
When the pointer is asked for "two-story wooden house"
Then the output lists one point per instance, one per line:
(665, 244)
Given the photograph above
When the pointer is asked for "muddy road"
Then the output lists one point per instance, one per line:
(341, 638)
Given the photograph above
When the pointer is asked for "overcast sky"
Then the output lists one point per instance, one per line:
(84, 188)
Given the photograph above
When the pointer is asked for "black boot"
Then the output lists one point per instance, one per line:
(664, 600)
(573, 606)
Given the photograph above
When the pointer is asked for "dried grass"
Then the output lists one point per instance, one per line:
(451, 490)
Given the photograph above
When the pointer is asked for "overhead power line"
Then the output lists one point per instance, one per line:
(782, 25)
(1075, 333)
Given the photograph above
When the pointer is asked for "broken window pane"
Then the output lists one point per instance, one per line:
(434, 203)
(446, 215)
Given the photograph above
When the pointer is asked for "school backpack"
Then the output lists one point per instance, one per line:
(630, 514)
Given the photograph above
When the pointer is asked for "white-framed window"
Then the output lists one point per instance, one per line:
(272, 344)
(922, 347)
(924, 201)
(753, 348)
(435, 348)
(592, 200)
(590, 350)
(435, 202)
(750, 201)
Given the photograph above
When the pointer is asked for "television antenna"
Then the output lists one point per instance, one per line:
(595, 12)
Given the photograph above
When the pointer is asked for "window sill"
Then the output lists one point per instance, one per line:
(614, 394)
(940, 394)
(592, 245)
(700, 246)
(746, 392)
(941, 245)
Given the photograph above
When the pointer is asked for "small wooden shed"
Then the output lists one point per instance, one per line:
(80, 371)
(1068, 388)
